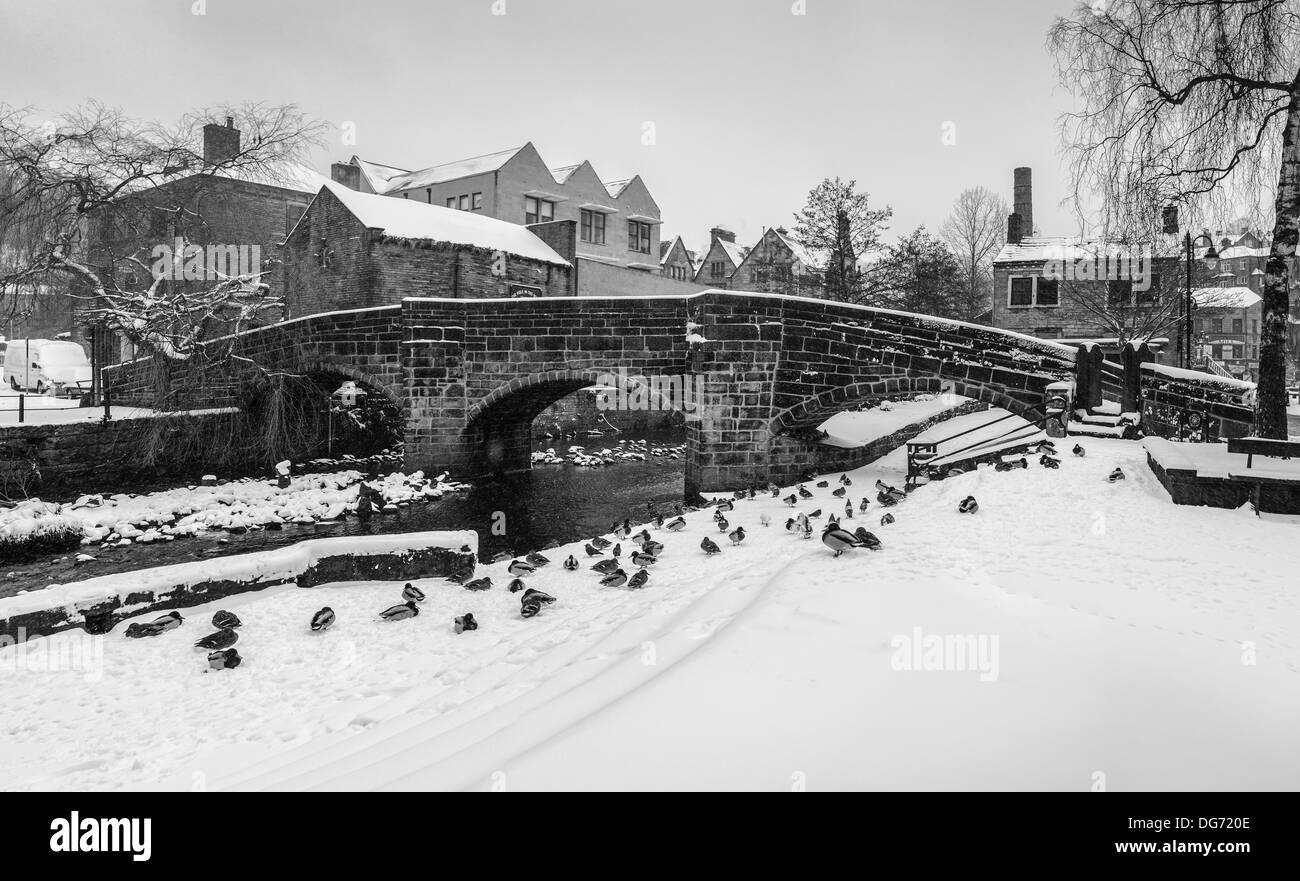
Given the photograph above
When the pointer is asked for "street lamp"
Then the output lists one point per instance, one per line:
(1211, 258)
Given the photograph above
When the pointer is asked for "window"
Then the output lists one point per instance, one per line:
(451, 201)
(1119, 293)
(1239, 352)
(1048, 292)
(1022, 291)
(1152, 293)
(538, 210)
(476, 202)
(1254, 326)
(718, 269)
(1218, 325)
(1238, 325)
(464, 203)
(428, 195)
(593, 227)
(1226, 353)
(638, 236)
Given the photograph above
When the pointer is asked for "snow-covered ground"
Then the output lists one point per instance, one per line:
(237, 505)
(1116, 639)
(852, 428)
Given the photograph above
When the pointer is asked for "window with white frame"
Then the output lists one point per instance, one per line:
(638, 236)
(538, 210)
(593, 227)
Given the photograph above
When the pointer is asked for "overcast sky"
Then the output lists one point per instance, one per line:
(751, 105)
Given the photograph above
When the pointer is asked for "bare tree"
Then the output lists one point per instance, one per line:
(1144, 309)
(1195, 103)
(61, 179)
(839, 223)
(974, 231)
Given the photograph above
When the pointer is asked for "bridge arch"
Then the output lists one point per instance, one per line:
(498, 426)
(816, 409)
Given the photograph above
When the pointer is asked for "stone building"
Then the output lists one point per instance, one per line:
(1054, 286)
(676, 260)
(1226, 331)
(617, 221)
(351, 250)
(721, 260)
(777, 264)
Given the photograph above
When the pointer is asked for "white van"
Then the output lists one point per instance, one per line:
(46, 365)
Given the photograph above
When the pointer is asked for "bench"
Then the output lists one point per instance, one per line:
(1259, 446)
(1283, 479)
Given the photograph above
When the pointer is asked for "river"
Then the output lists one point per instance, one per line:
(547, 506)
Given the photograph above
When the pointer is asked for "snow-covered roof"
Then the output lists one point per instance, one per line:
(802, 254)
(1040, 249)
(1242, 251)
(1225, 298)
(436, 174)
(734, 252)
(412, 219)
(564, 172)
(668, 252)
(616, 187)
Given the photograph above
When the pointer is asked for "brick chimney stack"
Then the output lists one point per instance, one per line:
(1024, 200)
(719, 232)
(347, 174)
(220, 142)
(1013, 229)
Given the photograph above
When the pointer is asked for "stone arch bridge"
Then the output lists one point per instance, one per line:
(755, 370)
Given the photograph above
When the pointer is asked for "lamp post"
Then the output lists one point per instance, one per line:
(1211, 258)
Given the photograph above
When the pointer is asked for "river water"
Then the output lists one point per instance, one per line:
(550, 505)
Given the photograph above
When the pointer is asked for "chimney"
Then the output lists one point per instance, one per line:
(347, 174)
(1024, 200)
(220, 142)
(1013, 229)
(722, 233)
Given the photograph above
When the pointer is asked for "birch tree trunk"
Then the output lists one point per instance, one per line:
(1271, 403)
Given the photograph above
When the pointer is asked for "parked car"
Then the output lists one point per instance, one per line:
(43, 366)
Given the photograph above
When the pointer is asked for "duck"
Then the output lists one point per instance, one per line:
(484, 583)
(867, 539)
(709, 547)
(398, 613)
(653, 548)
(845, 481)
(765, 519)
(1116, 475)
(677, 525)
(141, 630)
(322, 620)
(723, 525)
(804, 492)
(604, 567)
(170, 621)
(465, 622)
(571, 563)
(1048, 462)
(822, 484)
(837, 539)
(791, 500)
(224, 660)
(643, 559)
(1079, 451)
(537, 559)
(839, 493)
(737, 535)
(887, 519)
(521, 568)
(222, 639)
(592, 550)
(222, 618)
(600, 543)
(617, 578)
(412, 593)
(968, 505)
(516, 585)
(866, 503)
(638, 580)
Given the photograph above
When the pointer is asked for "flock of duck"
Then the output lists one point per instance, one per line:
(641, 554)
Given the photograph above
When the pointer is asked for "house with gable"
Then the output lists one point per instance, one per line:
(721, 260)
(676, 260)
(777, 264)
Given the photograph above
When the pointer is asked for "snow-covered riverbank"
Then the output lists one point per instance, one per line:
(1114, 639)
